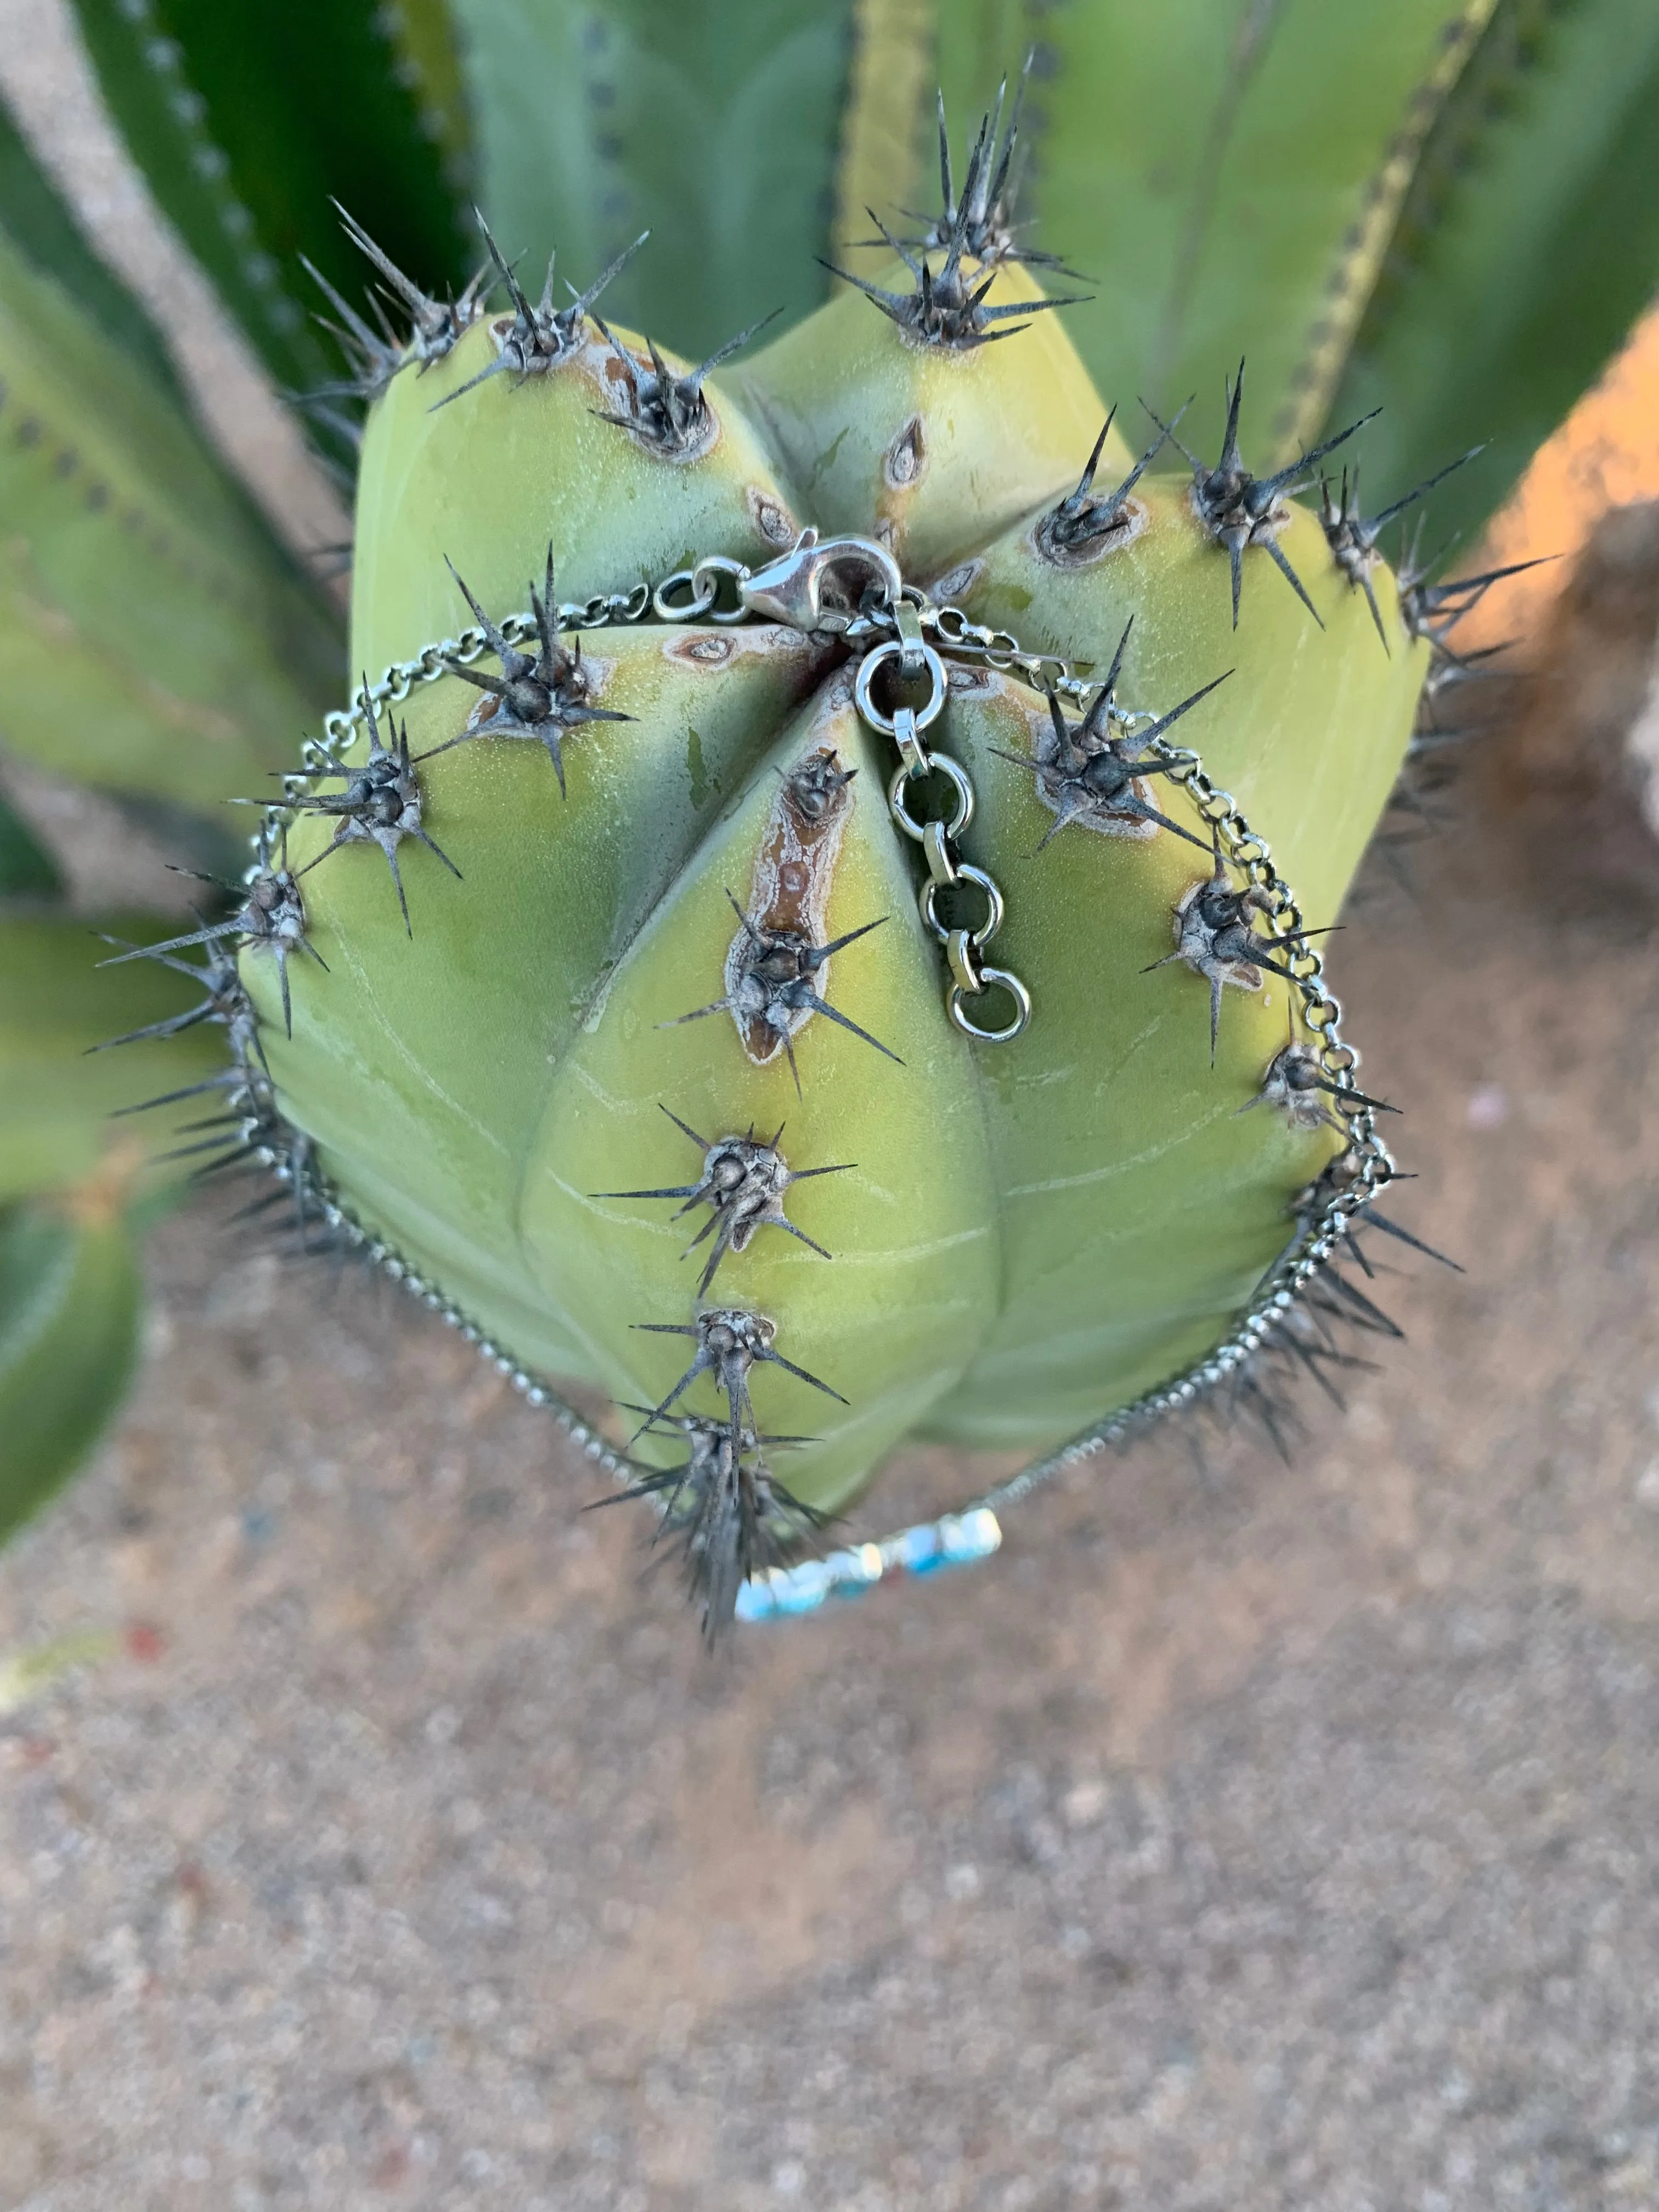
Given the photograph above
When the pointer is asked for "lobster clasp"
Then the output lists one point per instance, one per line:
(792, 589)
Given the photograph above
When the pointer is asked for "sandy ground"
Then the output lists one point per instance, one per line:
(1242, 1837)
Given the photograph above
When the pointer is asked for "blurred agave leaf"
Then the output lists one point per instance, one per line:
(26, 869)
(716, 126)
(70, 1303)
(43, 229)
(1208, 164)
(56, 1096)
(1529, 246)
(152, 637)
(426, 61)
(247, 120)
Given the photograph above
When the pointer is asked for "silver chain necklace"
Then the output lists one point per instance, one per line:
(852, 588)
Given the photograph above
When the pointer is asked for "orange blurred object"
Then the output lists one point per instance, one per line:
(1605, 455)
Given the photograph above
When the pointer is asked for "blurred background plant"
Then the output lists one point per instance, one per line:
(1448, 212)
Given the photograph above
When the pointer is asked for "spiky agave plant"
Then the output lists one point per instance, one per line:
(851, 967)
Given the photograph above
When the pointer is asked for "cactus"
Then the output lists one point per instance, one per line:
(813, 920)
(697, 916)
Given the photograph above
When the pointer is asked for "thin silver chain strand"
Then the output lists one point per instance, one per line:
(918, 636)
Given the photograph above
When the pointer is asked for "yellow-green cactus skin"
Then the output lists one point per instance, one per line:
(582, 944)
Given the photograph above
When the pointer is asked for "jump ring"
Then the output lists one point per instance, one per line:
(917, 760)
(719, 566)
(954, 775)
(965, 961)
(942, 866)
(663, 603)
(1016, 990)
(927, 713)
(994, 905)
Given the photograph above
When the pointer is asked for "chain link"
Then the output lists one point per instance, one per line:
(910, 658)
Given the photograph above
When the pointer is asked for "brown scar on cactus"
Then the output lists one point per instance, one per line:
(271, 916)
(1215, 938)
(726, 1512)
(1094, 771)
(743, 1183)
(730, 1342)
(541, 695)
(772, 519)
(381, 804)
(1241, 510)
(775, 962)
(770, 992)
(669, 414)
(536, 337)
(1086, 525)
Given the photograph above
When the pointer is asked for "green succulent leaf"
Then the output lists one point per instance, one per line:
(57, 1092)
(153, 637)
(27, 870)
(882, 159)
(427, 62)
(715, 127)
(41, 227)
(70, 1300)
(248, 120)
(1213, 166)
(1528, 244)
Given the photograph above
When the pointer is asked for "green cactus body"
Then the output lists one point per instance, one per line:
(489, 479)
(525, 1092)
(929, 448)
(1310, 730)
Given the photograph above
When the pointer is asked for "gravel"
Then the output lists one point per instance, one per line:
(1244, 1836)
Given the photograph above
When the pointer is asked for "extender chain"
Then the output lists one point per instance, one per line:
(893, 627)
